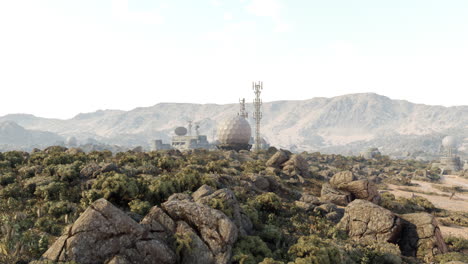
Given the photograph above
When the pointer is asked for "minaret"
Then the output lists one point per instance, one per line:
(257, 115)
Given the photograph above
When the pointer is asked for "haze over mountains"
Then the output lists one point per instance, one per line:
(344, 124)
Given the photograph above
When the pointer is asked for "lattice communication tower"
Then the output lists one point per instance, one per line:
(257, 115)
(242, 111)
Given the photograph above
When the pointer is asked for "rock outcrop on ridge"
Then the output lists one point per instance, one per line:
(183, 230)
(344, 188)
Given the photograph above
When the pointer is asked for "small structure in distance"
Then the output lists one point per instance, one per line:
(182, 141)
(449, 160)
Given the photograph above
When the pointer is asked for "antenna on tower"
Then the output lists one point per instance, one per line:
(257, 115)
(197, 127)
(190, 127)
(242, 111)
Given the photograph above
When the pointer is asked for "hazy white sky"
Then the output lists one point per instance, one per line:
(62, 57)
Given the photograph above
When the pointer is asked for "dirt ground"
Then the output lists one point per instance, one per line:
(440, 199)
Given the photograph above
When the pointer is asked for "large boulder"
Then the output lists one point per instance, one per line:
(338, 197)
(343, 183)
(103, 232)
(330, 211)
(159, 224)
(226, 201)
(342, 178)
(195, 251)
(278, 158)
(90, 170)
(214, 227)
(421, 236)
(370, 223)
(296, 166)
(307, 202)
(362, 189)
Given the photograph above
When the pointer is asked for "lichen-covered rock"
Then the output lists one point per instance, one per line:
(278, 158)
(260, 182)
(89, 170)
(103, 232)
(108, 167)
(214, 227)
(338, 197)
(196, 251)
(296, 166)
(362, 189)
(421, 236)
(224, 200)
(307, 202)
(369, 223)
(203, 191)
(340, 178)
(330, 211)
(159, 224)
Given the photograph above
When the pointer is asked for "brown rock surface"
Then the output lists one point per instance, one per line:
(421, 236)
(101, 233)
(362, 189)
(214, 227)
(369, 223)
(278, 158)
(340, 178)
(198, 252)
(224, 198)
(296, 165)
(338, 197)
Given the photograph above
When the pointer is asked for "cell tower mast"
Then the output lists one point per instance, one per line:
(190, 127)
(242, 111)
(257, 115)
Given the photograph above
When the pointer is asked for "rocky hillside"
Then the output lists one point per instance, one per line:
(61, 205)
(13, 136)
(343, 124)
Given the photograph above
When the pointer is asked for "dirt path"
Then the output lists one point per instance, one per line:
(439, 198)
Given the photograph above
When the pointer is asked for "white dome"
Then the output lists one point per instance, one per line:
(71, 141)
(235, 130)
(449, 142)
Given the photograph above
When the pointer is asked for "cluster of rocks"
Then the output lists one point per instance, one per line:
(183, 230)
(344, 188)
(417, 234)
(310, 203)
(292, 165)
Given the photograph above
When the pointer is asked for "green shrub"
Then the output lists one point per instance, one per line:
(268, 202)
(250, 250)
(117, 188)
(457, 243)
(68, 172)
(313, 250)
(451, 256)
(270, 261)
(378, 253)
(52, 191)
(271, 234)
(7, 179)
(403, 205)
(58, 209)
(15, 158)
(88, 197)
(140, 207)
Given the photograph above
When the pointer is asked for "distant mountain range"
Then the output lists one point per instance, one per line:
(345, 124)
